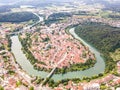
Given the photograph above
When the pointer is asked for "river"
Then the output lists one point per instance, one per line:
(99, 67)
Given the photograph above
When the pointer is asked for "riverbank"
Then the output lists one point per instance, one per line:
(73, 67)
(26, 65)
(106, 41)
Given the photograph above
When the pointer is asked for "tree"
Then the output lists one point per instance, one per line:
(31, 88)
(18, 83)
(1, 88)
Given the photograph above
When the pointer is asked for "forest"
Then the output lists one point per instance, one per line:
(103, 37)
(55, 17)
(17, 17)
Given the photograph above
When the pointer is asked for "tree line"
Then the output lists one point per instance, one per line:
(17, 17)
(104, 37)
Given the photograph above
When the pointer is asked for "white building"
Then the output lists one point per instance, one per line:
(92, 86)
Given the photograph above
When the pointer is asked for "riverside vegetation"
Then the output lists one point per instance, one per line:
(26, 43)
(104, 37)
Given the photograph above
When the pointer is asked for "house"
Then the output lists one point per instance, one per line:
(91, 86)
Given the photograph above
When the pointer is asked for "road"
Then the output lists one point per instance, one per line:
(55, 66)
(28, 28)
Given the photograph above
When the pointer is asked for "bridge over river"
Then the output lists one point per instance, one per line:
(21, 59)
(99, 67)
